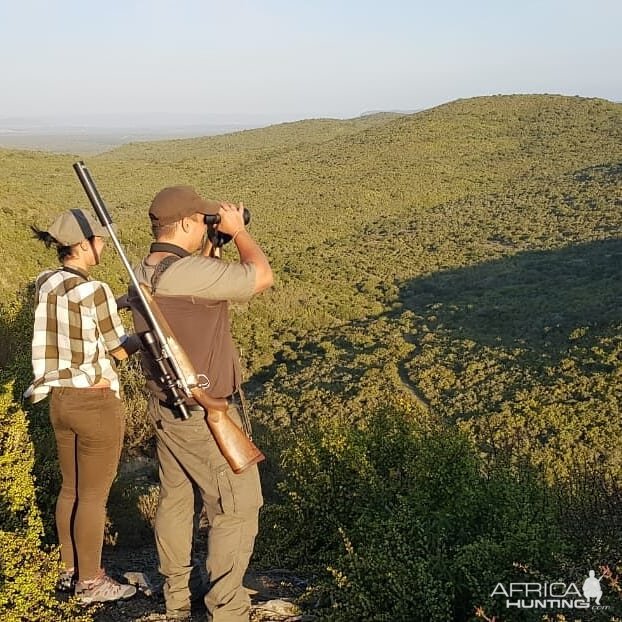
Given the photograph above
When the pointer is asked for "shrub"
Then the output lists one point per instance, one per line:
(28, 571)
(402, 523)
(16, 322)
(139, 436)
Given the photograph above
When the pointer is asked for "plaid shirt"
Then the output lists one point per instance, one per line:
(76, 327)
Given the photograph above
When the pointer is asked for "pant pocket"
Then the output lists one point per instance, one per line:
(225, 490)
(239, 493)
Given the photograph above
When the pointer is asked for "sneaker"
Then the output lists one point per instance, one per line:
(102, 589)
(66, 581)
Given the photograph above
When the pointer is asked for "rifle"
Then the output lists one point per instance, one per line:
(178, 375)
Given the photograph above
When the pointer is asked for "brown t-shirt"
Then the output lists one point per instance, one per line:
(193, 295)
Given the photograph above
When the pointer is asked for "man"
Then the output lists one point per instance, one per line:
(193, 292)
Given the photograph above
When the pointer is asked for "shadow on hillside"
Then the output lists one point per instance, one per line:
(533, 300)
(610, 173)
(536, 307)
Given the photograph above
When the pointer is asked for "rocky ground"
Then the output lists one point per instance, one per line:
(133, 557)
(273, 592)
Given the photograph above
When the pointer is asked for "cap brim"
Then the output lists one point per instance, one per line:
(101, 231)
(208, 206)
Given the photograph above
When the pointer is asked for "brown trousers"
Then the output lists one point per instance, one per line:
(188, 457)
(89, 426)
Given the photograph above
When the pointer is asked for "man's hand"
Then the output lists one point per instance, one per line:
(231, 219)
(232, 224)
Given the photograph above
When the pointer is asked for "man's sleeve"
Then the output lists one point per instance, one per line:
(209, 278)
(108, 321)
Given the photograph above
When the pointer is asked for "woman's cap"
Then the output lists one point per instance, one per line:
(75, 225)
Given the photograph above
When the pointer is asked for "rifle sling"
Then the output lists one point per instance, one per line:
(163, 247)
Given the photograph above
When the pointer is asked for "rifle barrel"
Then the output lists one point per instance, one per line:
(104, 218)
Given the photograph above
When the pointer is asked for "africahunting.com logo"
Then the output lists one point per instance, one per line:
(552, 595)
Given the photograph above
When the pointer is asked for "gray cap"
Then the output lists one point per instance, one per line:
(75, 225)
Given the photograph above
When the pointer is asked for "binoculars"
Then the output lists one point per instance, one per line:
(214, 219)
(218, 238)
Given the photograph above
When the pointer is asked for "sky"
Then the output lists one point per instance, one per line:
(293, 59)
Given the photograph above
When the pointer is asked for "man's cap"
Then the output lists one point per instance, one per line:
(75, 225)
(176, 202)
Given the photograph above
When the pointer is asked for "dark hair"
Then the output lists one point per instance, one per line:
(163, 231)
(49, 240)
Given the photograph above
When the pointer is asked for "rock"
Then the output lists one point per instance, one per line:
(141, 581)
(279, 607)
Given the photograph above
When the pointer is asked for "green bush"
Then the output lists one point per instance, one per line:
(405, 523)
(28, 571)
(16, 322)
(139, 437)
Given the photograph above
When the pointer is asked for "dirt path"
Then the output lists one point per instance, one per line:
(272, 591)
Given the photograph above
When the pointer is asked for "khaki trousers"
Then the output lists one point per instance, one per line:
(88, 425)
(188, 457)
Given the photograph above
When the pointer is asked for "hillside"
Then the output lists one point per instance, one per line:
(463, 260)
(354, 213)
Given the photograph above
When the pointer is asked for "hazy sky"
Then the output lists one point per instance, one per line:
(290, 59)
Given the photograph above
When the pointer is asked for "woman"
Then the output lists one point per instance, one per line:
(77, 334)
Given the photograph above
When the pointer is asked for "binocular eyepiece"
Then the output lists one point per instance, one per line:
(214, 219)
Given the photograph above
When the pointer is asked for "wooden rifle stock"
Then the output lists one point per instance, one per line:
(237, 448)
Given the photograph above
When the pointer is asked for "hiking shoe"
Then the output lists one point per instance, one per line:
(102, 589)
(66, 581)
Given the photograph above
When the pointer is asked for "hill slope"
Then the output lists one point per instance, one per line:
(359, 218)
(439, 363)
